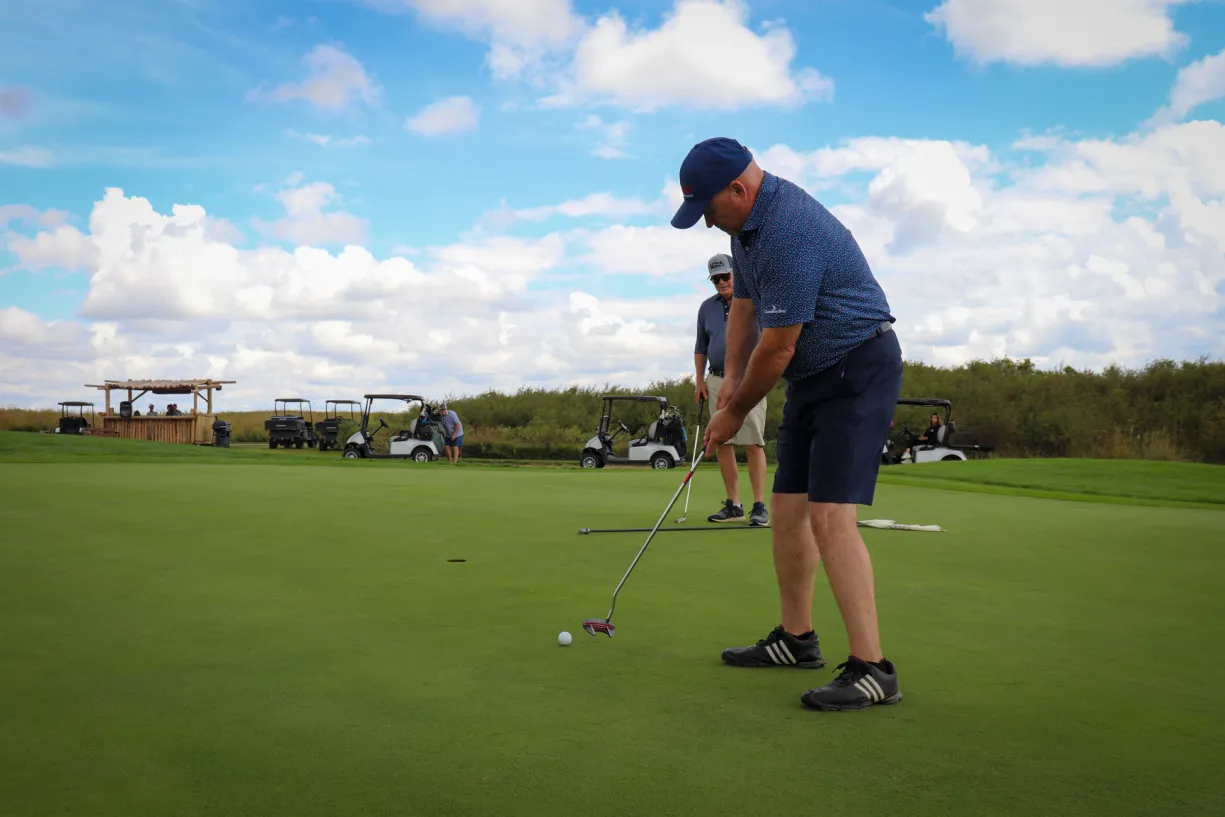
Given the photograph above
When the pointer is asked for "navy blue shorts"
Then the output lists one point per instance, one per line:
(458, 442)
(835, 424)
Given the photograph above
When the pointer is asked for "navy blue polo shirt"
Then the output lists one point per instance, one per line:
(712, 331)
(799, 264)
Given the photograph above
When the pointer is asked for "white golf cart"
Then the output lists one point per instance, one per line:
(420, 441)
(939, 449)
(662, 446)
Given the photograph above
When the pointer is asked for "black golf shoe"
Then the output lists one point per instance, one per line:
(731, 512)
(759, 517)
(779, 649)
(859, 686)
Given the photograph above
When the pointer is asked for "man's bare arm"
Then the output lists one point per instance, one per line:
(765, 366)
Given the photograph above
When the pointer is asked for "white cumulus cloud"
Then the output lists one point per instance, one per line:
(1069, 33)
(980, 259)
(681, 64)
(519, 33)
(451, 115)
(1200, 82)
(335, 80)
(307, 220)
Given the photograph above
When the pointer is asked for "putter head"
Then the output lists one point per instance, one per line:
(599, 625)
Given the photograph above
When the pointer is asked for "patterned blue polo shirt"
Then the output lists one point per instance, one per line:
(799, 264)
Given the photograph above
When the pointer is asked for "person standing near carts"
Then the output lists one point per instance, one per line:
(452, 433)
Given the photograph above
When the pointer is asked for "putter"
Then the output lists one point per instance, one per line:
(605, 625)
(697, 435)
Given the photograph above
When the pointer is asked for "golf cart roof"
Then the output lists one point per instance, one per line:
(924, 401)
(394, 397)
(346, 402)
(291, 400)
(640, 398)
(74, 403)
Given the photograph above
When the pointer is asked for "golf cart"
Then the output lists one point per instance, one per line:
(74, 423)
(328, 429)
(662, 445)
(937, 450)
(290, 430)
(421, 441)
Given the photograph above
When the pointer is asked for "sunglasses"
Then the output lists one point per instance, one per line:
(721, 278)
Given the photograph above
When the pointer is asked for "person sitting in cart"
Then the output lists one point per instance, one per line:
(929, 437)
(452, 433)
(932, 435)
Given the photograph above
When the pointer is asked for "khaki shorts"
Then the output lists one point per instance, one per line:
(753, 432)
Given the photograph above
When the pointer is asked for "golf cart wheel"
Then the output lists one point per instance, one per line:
(352, 454)
(591, 459)
(661, 461)
(422, 455)
(948, 457)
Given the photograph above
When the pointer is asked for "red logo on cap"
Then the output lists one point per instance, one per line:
(686, 190)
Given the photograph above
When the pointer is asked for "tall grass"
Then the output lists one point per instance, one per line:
(1164, 411)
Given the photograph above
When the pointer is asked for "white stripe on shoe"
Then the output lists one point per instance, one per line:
(870, 688)
(779, 653)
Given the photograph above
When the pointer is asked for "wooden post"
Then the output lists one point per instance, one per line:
(108, 400)
(195, 400)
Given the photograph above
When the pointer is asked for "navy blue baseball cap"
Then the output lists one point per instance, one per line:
(710, 166)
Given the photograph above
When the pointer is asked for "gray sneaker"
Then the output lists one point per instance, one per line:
(731, 512)
(759, 517)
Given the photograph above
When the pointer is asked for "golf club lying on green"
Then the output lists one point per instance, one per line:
(882, 524)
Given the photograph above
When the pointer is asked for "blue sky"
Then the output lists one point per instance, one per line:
(288, 125)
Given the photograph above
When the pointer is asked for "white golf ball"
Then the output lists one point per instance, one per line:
(563, 639)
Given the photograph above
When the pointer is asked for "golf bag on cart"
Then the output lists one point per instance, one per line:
(669, 429)
(429, 427)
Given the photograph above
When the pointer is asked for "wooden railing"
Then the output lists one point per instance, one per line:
(188, 429)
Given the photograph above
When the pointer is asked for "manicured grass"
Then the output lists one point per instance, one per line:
(186, 639)
(1129, 481)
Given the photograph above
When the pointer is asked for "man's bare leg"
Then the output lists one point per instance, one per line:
(849, 568)
(796, 557)
(757, 471)
(730, 471)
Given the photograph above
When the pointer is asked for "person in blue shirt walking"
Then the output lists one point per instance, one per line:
(806, 308)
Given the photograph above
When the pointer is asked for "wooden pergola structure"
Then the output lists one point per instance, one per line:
(190, 428)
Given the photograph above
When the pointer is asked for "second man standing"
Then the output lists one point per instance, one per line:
(708, 357)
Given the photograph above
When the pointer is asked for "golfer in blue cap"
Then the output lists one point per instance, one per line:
(806, 308)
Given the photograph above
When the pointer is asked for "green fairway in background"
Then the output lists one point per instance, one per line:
(185, 638)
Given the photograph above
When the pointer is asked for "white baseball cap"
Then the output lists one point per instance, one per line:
(720, 264)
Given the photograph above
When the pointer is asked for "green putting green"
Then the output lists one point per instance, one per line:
(189, 638)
